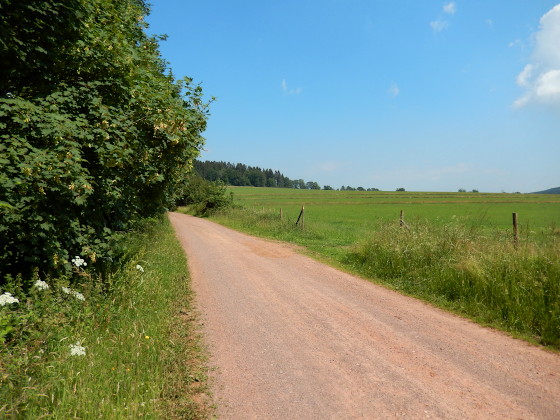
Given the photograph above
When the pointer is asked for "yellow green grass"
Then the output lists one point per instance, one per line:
(142, 358)
(455, 250)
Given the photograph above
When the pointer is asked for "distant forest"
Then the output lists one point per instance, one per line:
(239, 174)
(242, 175)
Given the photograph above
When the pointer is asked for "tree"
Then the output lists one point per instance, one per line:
(310, 185)
(256, 177)
(95, 131)
(400, 189)
(328, 188)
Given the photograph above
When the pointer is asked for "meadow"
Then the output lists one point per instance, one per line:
(455, 250)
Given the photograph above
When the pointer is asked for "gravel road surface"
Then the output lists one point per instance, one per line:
(292, 338)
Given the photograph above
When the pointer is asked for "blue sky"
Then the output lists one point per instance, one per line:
(420, 94)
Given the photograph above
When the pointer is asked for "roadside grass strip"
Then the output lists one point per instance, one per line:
(123, 347)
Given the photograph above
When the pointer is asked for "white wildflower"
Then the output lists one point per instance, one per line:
(41, 285)
(79, 261)
(7, 298)
(77, 295)
(77, 350)
(139, 268)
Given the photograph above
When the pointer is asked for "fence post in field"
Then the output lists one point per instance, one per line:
(515, 231)
(302, 218)
(280, 213)
(403, 223)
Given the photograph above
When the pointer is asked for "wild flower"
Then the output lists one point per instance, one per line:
(77, 349)
(77, 295)
(79, 261)
(7, 298)
(41, 285)
(139, 268)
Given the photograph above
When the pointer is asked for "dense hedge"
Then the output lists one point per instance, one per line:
(95, 133)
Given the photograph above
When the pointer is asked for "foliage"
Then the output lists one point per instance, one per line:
(94, 134)
(127, 350)
(243, 175)
(204, 196)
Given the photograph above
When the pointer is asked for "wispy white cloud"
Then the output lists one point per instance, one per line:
(289, 91)
(525, 75)
(450, 8)
(541, 77)
(428, 173)
(394, 89)
(332, 166)
(516, 43)
(439, 25)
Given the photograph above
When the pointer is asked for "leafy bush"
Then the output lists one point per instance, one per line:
(94, 133)
(204, 196)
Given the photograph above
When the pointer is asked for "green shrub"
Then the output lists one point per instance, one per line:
(94, 133)
(203, 196)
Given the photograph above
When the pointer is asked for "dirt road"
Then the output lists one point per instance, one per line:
(294, 339)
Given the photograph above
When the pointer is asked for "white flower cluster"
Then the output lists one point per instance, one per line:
(7, 298)
(41, 285)
(77, 350)
(77, 295)
(79, 261)
(139, 268)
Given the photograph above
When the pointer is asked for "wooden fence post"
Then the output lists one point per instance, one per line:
(402, 218)
(515, 231)
(280, 213)
(301, 217)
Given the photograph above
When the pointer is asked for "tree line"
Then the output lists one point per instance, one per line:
(242, 175)
(239, 174)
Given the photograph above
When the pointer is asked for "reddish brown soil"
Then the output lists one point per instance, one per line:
(292, 338)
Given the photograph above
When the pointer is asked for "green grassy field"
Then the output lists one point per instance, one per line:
(456, 250)
(366, 208)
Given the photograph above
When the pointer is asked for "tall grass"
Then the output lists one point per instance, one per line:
(477, 272)
(137, 328)
(484, 275)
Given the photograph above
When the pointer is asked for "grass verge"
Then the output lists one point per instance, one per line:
(124, 347)
(472, 271)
